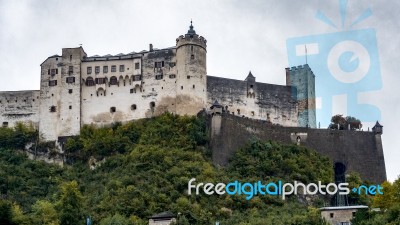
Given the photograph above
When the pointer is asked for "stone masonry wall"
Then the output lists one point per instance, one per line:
(359, 151)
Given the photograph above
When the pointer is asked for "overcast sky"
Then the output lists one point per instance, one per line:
(242, 36)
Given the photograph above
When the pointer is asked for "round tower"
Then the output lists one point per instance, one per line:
(191, 83)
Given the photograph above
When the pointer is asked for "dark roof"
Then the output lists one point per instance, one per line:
(191, 30)
(378, 124)
(216, 104)
(250, 75)
(166, 214)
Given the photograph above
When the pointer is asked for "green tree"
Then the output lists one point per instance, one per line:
(338, 122)
(45, 213)
(6, 213)
(70, 204)
(117, 219)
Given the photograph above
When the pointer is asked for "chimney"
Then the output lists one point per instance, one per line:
(151, 47)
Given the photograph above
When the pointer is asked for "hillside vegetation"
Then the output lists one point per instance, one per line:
(142, 168)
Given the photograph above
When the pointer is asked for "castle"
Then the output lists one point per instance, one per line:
(76, 89)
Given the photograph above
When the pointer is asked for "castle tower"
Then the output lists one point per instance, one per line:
(60, 94)
(216, 112)
(378, 131)
(302, 79)
(191, 83)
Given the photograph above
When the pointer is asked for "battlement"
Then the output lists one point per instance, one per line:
(191, 39)
(299, 68)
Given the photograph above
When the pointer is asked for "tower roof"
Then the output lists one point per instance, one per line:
(216, 105)
(377, 124)
(250, 75)
(191, 31)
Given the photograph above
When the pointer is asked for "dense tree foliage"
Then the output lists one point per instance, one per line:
(338, 122)
(142, 168)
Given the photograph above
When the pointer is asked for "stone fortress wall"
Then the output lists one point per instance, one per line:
(359, 151)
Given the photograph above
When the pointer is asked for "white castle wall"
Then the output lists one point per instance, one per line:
(172, 79)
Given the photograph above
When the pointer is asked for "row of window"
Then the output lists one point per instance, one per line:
(113, 68)
(55, 71)
(112, 110)
(68, 80)
(113, 80)
(8, 101)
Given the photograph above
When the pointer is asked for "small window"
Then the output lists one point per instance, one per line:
(70, 80)
(137, 78)
(132, 91)
(159, 64)
(113, 68)
(70, 69)
(133, 107)
(53, 72)
(121, 68)
(137, 66)
(252, 113)
(238, 111)
(192, 57)
(105, 69)
(100, 81)
(52, 83)
(70, 91)
(251, 86)
(188, 77)
(70, 107)
(181, 87)
(53, 109)
(194, 86)
(89, 70)
(48, 72)
(152, 105)
(97, 69)
(159, 77)
(5, 124)
(113, 109)
(191, 48)
(172, 76)
(354, 214)
(70, 57)
(331, 215)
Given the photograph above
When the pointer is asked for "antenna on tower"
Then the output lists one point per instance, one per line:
(305, 46)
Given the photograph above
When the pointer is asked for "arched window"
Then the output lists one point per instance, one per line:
(113, 80)
(89, 81)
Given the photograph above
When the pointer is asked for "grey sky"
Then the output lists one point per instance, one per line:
(242, 36)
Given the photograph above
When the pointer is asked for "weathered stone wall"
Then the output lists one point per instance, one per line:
(268, 102)
(19, 106)
(191, 59)
(359, 151)
(60, 93)
(302, 80)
